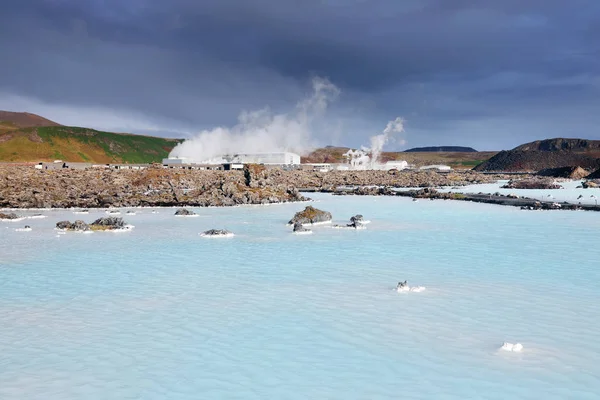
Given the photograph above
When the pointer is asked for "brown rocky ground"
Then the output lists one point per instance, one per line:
(328, 181)
(26, 187)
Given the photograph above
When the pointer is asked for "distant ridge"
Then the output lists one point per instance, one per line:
(433, 149)
(10, 120)
(546, 154)
(558, 144)
(26, 137)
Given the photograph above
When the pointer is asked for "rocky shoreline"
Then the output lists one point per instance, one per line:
(524, 203)
(26, 187)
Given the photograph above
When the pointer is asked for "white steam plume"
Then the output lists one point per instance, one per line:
(368, 157)
(378, 141)
(262, 131)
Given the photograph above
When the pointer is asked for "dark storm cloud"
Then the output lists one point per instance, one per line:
(452, 68)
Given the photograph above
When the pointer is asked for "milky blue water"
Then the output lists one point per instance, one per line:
(570, 192)
(162, 313)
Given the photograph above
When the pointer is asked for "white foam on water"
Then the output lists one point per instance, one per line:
(126, 228)
(23, 230)
(81, 212)
(348, 227)
(188, 216)
(416, 289)
(13, 220)
(37, 216)
(112, 212)
(314, 223)
(309, 232)
(516, 347)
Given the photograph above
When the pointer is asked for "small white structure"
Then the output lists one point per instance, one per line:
(175, 161)
(436, 167)
(321, 167)
(233, 166)
(399, 165)
(283, 158)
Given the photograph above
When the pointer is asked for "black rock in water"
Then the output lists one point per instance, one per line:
(9, 216)
(311, 215)
(73, 226)
(184, 211)
(109, 222)
(299, 228)
(216, 232)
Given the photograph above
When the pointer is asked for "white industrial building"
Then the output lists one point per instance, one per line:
(282, 158)
(398, 164)
(436, 167)
(176, 161)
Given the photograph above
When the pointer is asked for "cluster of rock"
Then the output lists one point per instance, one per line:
(101, 224)
(9, 216)
(26, 187)
(356, 222)
(544, 206)
(311, 215)
(534, 183)
(590, 184)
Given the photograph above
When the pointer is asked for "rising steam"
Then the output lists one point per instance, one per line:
(262, 131)
(378, 141)
(368, 157)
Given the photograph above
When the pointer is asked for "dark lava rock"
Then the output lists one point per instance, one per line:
(310, 215)
(356, 221)
(565, 172)
(358, 218)
(531, 184)
(298, 227)
(107, 223)
(184, 211)
(73, 226)
(216, 232)
(9, 216)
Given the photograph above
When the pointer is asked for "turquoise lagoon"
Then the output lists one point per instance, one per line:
(162, 313)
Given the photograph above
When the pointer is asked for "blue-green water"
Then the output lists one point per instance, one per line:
(162, 313)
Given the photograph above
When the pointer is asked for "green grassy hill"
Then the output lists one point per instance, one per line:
(47, 143)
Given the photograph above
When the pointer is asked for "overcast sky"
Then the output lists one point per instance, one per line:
(490, 74)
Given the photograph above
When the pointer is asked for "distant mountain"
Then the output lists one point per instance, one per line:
(10, 120)
(546, 154)
(558, 144)
(25, 138)
(449, 149)
(462, 160)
